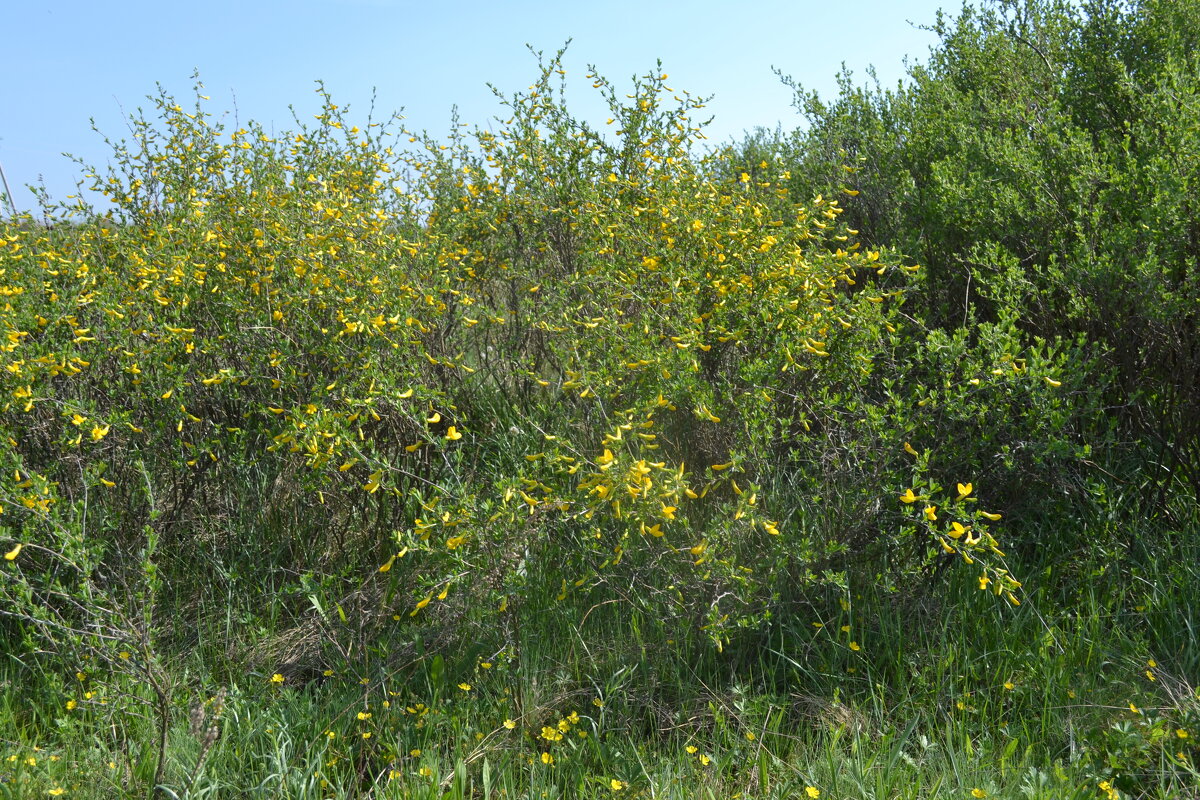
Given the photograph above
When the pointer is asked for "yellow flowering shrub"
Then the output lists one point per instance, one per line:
(536, 359)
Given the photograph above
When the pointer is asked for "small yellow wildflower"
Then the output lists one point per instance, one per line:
(277, 679)
(812, 792)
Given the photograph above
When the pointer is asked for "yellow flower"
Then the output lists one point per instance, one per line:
(71, 705)
(56, 791)
(812, 792)
(425, 772)
(547, 758)
(11, 555)
(421, 604)
(908, 497)
(908, 448)
(854, 646)
(277, 678)
(931, 513)
(1052, 382)
(452, 434)
(964, 489)
(956, 530)
(466, 687)
(980, 793)
(992, 517)
(616, 785)
(1181, 733)
(510, 724)
(705, 760)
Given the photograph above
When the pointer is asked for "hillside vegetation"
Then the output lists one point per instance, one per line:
(561, 458)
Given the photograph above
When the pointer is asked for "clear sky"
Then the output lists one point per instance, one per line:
(67, 61)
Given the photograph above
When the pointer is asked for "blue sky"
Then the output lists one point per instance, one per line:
(67, 62)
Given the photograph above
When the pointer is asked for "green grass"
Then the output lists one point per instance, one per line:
(947, 694)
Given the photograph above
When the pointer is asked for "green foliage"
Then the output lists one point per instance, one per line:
(1041, 164)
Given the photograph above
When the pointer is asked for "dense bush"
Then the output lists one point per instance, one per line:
(1041, 165)
(540, 360)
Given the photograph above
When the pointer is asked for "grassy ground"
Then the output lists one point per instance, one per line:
(1086, 689)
